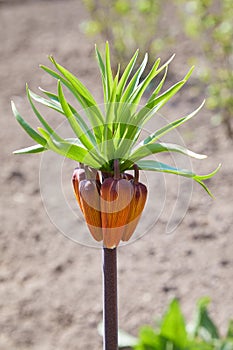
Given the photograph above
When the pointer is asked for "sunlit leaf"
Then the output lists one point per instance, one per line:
(31, 149)
(173, 325)
(70, 150)
(31, 132)
(153, 148)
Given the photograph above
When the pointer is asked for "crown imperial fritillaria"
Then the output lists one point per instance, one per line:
(106, 147)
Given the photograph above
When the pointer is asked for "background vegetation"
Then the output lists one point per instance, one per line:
(207, 23)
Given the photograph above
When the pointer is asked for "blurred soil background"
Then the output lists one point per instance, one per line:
(50, 287)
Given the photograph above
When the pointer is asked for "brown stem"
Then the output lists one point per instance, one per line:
(116, 169)
(110, 316)
(136, 173)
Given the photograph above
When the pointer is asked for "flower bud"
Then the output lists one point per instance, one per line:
(136, 206)
(87, 195)
(78, 175)
(90, 201)
(116, 195)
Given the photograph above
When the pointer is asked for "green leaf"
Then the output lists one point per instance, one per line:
(159, 87)
(77, 116)
(136, 96)
(164, 130)
(31, 132)
(125, 75)
(203, 325)
(103, 73)
(93, 113)
(149, 149)
(85, 98)
(39, 116)
(153, 106)
(166, 64)
(51, 96)
(31, 149)
(81, 134)
(230, 330)
(173, 325)
(153, 165)
(208, 176)
(149, 340)
(51, 104)
(134, 81)
(108, 75)
(70, 150)
(76, 83)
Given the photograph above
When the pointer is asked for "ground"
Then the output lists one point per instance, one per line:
(50, 287)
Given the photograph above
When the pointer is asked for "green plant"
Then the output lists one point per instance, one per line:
(106, 146)
(209, 23)
(172, 332)
(127, 25)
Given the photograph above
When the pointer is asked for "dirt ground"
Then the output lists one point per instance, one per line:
(50, 287)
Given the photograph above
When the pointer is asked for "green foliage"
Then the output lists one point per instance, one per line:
(210, 23)
(127, 25)
(102, 136)
(172, 333)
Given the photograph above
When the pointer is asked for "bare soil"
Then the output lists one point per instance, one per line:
(50, 287)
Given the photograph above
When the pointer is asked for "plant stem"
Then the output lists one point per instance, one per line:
(110, 338)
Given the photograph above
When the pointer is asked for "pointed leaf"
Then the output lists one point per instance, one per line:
(103, 73)
(31, 149)
(166, 63)
(164, 130)
(136, 96)
(161, 167)
(81, 134)
(125, 75)
(70, 150)
(153, 165)
(93, 113)
(100, 62)
(156, 104)
(134, 81)
(159, 87)
(76, 83)
(203, 320)
(39, 116)
(173, 325)
(149, 149)
(108, 76)
(208, 176)
(31, 132)
(51, 104)
(79, 119)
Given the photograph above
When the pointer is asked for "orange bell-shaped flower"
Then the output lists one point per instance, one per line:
(136, 206)
(116, 195)
(87, 194)
(79, 174)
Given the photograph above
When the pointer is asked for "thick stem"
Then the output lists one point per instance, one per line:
(110, 338)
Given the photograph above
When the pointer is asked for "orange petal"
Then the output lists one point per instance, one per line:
(116, 196)
(78, 175)
(90, 201)
(136, 208)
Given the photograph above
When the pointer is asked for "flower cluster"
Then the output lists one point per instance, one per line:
(112, 205)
